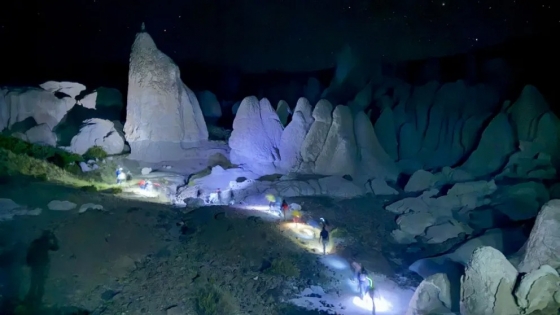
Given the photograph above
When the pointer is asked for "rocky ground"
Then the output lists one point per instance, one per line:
(137, 257)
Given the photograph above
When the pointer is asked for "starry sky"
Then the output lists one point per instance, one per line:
(257, 35)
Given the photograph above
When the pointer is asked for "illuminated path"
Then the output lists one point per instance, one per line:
(390, 299)
(342, 296)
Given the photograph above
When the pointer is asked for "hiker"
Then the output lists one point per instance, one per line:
(120, 174)
(285, 208)
(324, 237)
(271, 201)
(296, 216)
(39, 261)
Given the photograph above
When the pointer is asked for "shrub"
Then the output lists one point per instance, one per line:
(210, 300)
(284, 267)
(95, 152)
(53, 155)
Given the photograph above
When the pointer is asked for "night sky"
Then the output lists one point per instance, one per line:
(257, 35)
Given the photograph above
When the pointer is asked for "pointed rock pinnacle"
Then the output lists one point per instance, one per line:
(143, 27)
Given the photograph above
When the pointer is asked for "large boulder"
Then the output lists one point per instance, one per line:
(161, 109)
(255, 139)
(536, 291)
(488, 284)
(433, 296)
(543, 246)
(41, 134)
(97, 132)
(19, 104)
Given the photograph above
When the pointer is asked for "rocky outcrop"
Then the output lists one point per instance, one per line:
(160, 107)
(97, 132)
(255, 139)
(433, 218)
(537, 289)
(339, 153)
(317, 135)
(44, 107)
(41, 134)
(433, 296)
(543, 247)
(71, 89)
(294, 135)
(488, 284)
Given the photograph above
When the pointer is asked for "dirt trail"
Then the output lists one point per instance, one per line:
(341, 295)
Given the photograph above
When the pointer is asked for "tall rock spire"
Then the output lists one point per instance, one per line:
(143, 27)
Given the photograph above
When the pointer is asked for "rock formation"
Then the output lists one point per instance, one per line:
(19, 104)
(97, 132)
(433, 296)
(161, 109)
(255, 139)
(488, 283)
(543, 247)
(294, 135)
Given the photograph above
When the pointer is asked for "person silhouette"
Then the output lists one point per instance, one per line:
(38, 260)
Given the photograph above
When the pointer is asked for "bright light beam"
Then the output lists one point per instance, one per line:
(381, 304)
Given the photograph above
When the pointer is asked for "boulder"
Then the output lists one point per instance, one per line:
(160, 107)
(209, 105)
(294, 135)
(339, 153)
(536, 291)
(61, 205)
(69, 88)
(255, 139)
(433, 296)
(19, 104)
(41, 134)
(373, 161)
(488, 283)
(97, 132)
(543, 246)
(283, 112)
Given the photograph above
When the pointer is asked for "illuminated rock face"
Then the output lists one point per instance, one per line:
(161, 108)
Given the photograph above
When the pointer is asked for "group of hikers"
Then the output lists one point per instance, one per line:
(365, 283)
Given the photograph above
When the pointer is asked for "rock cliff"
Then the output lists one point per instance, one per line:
(161, 109)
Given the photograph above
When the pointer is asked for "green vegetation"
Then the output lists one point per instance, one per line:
(53, 155)
(284, 267)
(46, 163)
(95, 152)
(210, 300)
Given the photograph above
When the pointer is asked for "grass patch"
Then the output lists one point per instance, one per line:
(53, 155)
(210, 300)
(284, 267)
(95, 152)
(12, 164)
